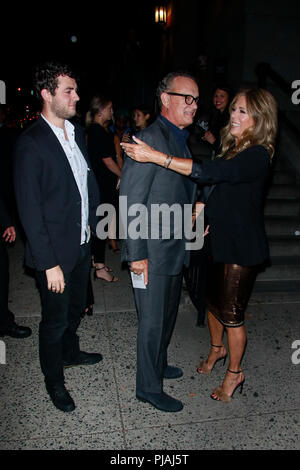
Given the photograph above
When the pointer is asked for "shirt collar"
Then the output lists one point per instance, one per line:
(180, 134)
(59, 131)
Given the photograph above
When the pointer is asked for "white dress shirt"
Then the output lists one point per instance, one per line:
(79, 168)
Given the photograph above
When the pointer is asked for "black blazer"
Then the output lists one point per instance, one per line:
(149, 184)
(235, 205)
(48, 198)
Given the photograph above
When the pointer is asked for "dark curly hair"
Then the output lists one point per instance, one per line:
(46, 76)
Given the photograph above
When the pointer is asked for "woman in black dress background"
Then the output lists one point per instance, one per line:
(102, 153)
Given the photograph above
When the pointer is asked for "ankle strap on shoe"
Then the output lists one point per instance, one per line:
(215, 346)
(234, 371)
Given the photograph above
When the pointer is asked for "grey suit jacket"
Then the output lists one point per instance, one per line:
(152, 185)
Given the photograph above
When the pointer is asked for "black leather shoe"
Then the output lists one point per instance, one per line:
(16, 331)
(172, 372)
(60, 397)
(83, 359)
(161, 401)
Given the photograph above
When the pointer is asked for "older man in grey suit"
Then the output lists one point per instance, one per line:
(160, 260)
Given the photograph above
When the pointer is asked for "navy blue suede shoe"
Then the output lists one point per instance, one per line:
(161, 401)
(172, 372)
(83, 359)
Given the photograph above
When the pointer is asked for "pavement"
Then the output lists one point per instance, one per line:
(266, 416)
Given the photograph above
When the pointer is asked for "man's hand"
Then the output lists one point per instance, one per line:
(209, 137)
(140, 151)
(55, 279)
(206, 232)
(126, 138)
(9, 234)
(198, 208)
(139, 267)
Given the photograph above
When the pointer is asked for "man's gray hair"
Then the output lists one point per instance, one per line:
(166, 83)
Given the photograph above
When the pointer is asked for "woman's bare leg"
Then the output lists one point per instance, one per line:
(216, 330)
(237, 339)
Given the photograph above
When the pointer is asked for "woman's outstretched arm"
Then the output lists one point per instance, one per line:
(248, 165)
(142, 152)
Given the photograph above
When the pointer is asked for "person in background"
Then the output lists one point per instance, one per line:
(142, 117)
(7, 141)
(234, 210)
(8, 326)
(120, 128)
(101, 148)
(219, 116)
(121, 124)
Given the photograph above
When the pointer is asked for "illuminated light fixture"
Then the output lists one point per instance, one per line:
(161, 14)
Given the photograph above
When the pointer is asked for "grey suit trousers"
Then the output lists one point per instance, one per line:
(157, 308)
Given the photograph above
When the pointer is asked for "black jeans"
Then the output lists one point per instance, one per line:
(58, 340)
(98, 249)
(6, 317)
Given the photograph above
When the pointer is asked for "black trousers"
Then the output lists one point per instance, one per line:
(157, 308)
(98, 249)
(6, 317)
(58, 340)
(90, 300)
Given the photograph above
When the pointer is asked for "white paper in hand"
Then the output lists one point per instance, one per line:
(138, 281)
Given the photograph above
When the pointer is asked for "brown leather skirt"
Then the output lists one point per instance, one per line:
(229, 287)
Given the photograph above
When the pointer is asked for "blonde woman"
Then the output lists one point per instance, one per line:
(234, 210)
(101, 148)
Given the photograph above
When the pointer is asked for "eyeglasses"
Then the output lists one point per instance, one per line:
(189, 99)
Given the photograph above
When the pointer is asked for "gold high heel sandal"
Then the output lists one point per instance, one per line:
(219, 395)
(203, 369)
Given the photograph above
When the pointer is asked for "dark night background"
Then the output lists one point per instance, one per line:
(115, 50)
(121, 50)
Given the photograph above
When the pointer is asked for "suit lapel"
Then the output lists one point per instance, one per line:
(53, 143)
(79, 139)
(55, 148)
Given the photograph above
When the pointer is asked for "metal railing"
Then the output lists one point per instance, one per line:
(265, 73)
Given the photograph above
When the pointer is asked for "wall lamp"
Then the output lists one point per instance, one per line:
(161, 14)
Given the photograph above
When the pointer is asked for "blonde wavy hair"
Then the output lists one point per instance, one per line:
(262, 108)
